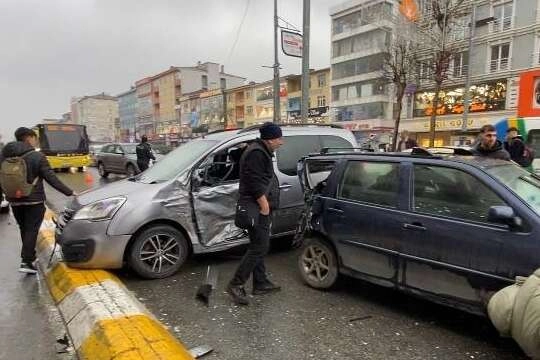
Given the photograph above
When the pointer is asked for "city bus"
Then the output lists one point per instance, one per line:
(65, 145)
(529, 129)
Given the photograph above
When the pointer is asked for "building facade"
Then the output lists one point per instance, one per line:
(504, 46)
(127, 112)
(361, 33)
(319, 98)
(99, 113)
(162, 98)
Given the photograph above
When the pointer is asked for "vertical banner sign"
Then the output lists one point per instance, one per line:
(291, 43)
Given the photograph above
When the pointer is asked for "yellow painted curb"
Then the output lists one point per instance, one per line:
(133, 337)
(63, 280)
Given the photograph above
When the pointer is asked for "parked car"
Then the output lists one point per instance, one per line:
(452, 229)
(184, 204)
(119, 159)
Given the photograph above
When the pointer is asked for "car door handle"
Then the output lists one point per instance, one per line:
(414, 226)
(336, 211)
(285, 186)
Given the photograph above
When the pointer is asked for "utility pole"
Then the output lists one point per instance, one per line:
(467, 98)
(277, 110)
(305, 61)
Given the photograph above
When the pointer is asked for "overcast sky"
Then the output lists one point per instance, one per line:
(55, 49)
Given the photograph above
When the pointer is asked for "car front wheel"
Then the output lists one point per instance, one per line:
(102, 172)
(318, 264)
(130, 170)
(158, 252)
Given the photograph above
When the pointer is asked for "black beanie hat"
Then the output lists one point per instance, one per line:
(270, 131)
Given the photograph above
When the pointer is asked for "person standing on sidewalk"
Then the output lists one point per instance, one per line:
(27, 196)
(144, 154)
(258, 191)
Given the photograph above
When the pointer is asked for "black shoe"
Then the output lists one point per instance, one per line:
(238, 294)
(265, 288)
(27, 268)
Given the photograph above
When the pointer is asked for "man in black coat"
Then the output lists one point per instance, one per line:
(30, 210)
(405, 142)
(144, 154)
(515, 146)
(258, 194)
(488, 145)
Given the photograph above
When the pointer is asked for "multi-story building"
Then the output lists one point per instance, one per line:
(506, 44)
(99, 113)
(213, 110)
(240, 106)
(160, 96)
(127, 112)
(319, 97)
(190, 110)
(361, 33)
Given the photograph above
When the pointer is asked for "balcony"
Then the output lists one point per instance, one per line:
(497, 65)
(502, 24)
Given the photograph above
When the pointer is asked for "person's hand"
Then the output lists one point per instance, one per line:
(265, 210)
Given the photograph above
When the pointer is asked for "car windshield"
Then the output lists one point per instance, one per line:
(522, 182)
(176, 162)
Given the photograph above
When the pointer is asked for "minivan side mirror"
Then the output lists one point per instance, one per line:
(504, 215)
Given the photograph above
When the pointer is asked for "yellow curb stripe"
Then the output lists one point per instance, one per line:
(63, 280)
(133, 337)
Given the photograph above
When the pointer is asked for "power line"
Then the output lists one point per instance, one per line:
(238, 32)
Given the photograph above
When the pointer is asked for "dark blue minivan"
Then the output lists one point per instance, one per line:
(453, 229)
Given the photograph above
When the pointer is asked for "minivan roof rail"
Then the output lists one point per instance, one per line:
(351, 151)
(258, 126)
(326, 150)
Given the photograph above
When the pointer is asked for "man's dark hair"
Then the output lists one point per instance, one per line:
(144, 138)
(22, 133)
(487, 128)
(512, 129)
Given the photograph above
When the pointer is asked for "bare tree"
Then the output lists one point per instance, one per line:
(436, 27)
(400, 69)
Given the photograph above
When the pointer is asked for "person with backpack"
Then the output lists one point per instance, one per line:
(144, 154)
(22, 171)
(520, 152)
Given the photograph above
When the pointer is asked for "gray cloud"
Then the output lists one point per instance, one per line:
(52, 50)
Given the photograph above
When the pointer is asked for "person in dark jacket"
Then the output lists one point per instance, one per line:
(257, 191)
(405, 142)
(514, 145)
(29, 211)
(144, 154)
(488, 145)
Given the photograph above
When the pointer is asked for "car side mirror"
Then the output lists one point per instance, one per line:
(504, 215)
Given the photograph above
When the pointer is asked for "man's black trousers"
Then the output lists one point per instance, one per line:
(143, 165)
(253, 260)
(29, 218)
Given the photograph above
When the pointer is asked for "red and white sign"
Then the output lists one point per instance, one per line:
(291, 43)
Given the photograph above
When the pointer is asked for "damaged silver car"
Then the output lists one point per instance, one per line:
(184, 204)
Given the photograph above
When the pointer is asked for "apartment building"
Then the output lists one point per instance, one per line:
(506, 44)
(160, 96)
(240, 106)
(319, 97)
(99, 113)
(361, 32)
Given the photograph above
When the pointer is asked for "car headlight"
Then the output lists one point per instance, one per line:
(100, 210)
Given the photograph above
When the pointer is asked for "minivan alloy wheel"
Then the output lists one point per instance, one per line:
(160, 252)
(316, 263)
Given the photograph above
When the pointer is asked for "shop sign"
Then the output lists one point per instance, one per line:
(529, 94)
(291, 43)
(313, 112)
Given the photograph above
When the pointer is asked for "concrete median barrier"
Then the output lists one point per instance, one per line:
(103, 319)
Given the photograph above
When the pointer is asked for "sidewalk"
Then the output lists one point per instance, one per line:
(29, 322)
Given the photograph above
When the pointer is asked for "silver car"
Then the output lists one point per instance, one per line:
(184, 204)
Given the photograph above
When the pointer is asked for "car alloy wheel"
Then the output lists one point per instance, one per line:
(318, 265)
(101, 170)
(160, 252)
(130, 171)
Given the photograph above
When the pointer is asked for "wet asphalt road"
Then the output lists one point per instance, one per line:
(354, 321)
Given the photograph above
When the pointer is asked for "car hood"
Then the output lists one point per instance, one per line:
(119, 188)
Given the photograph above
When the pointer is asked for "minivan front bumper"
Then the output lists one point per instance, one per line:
(86, 244)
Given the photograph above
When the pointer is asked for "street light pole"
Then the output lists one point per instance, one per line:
(277, 110)
(305, 60)
(467, 99)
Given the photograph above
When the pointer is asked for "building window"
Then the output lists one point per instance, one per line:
(460, 64)
(367, 111)
(360, 89)
(500, 55)
(322, 80)
(223, 83)
(503, 16)
(204, 80)
(459, 29)
(375, 39)
(248, 94)
(358, 66)
(249, 110)
(425, 69)
(321, 101)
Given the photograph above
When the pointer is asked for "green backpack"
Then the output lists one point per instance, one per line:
(13, 177)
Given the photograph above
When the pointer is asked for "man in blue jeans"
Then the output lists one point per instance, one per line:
(258, 190)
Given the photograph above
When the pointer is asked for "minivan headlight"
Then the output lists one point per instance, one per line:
(100, 210)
